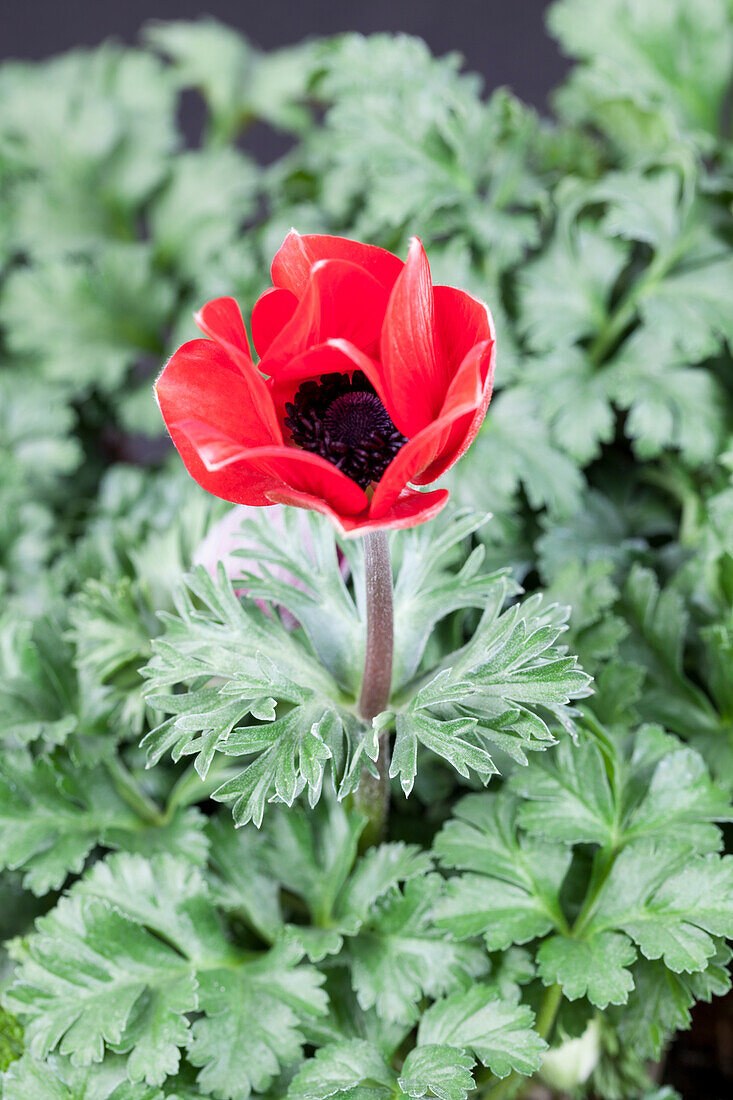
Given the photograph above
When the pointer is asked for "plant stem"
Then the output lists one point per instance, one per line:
(372, 797)
(131, 793)
(377, 679)
(548, 1010)
(191, 788)
(505, 1087)
(626, 309)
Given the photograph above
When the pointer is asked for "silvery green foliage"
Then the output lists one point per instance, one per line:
(150, 949)
(292, 721)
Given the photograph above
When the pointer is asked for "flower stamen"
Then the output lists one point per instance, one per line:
(342, 419)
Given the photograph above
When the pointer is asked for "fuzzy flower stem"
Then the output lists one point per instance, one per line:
(377, 680)
(372, 797)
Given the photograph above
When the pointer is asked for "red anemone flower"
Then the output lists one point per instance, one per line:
(370, 381)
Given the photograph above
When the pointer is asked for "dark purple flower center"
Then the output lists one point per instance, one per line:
(342, 420)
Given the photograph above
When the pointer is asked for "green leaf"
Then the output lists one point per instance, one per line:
(293, 756)
(52, 814)
(498, 1033)
(569, 799)
(662, 620)
(630, 52)
(219, 647)
(89, 134)
(618, 689)
(238, 82)
(149, 526)
(400, 955)
(679, 797)
(425, 591)
(38, 689)
(517, 446)
(340, 1067)
(669, 404)
(202, 209)
(62, 998)
(59, 1079)
(459, 169)
(375, 912)
(240, 879)
(216, 639)
(509, 891)
(319, 599)
(37, 443)
(669, 903)
(28, 540)
(453, 740)
(11, 1040)
(515, 681)
(574, 399)
(564, 293)
(590, 592)
(602, 529)
(434, 578)
(313, 856)
(660, 1002)
(717, 640)
(440, 1071)
(692, 303)
(135, 948)
(427, 585)
(659, 621)
(649, 208)
(595, 967)
(658, 1006)
(657, 789)
(347, 1020)
(87, 321)
(250, 1026)
(377, 874)
(110, 626)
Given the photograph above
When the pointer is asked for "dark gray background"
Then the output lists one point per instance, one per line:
(504, 40)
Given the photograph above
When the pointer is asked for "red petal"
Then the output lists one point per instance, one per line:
(476, 369)
(271, 313)
(309, 473)
(292, 265)
(222, 321)
(461, 322)
(341, 301)
(410, 509)
(280, 467)
(198, 381)
(428, 446)
(410, 360)
(239, 482)
(466, 335)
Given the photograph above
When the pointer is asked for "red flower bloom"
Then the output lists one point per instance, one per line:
(376, 380)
